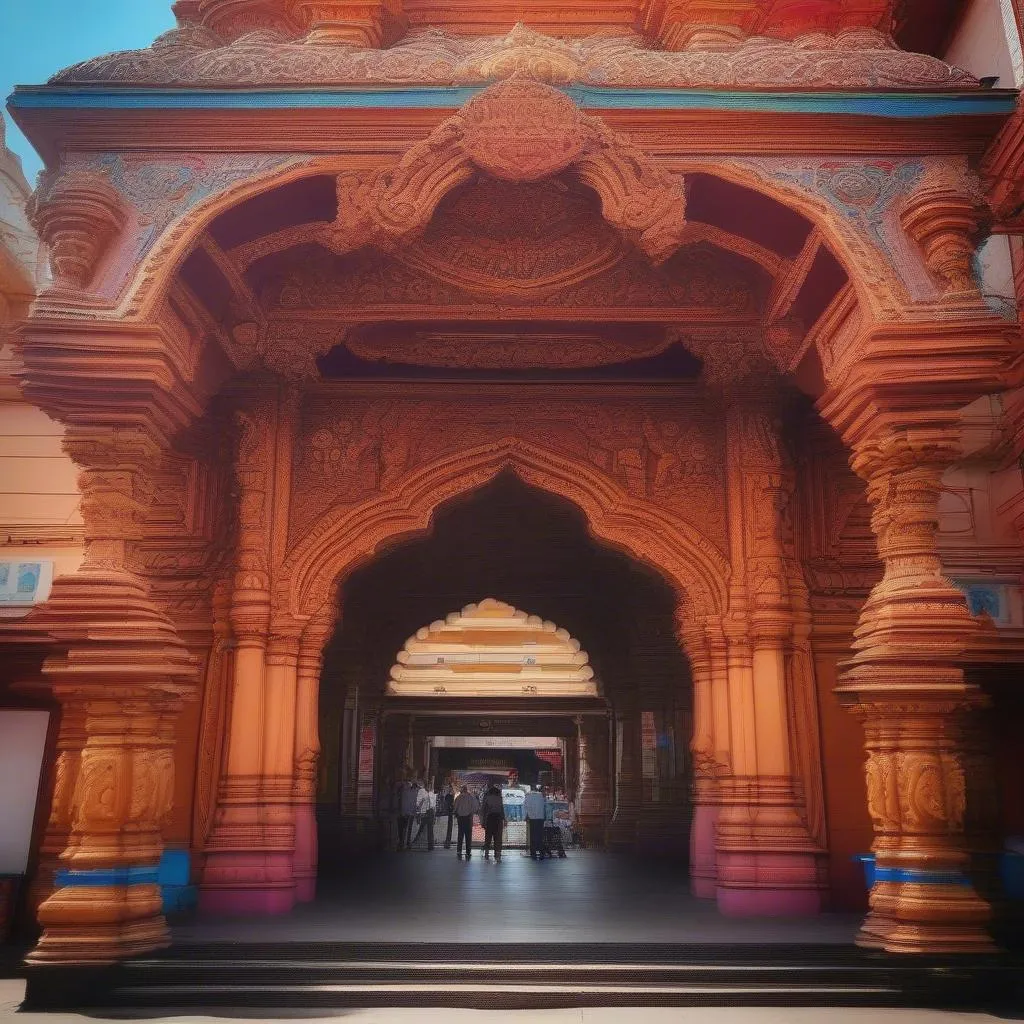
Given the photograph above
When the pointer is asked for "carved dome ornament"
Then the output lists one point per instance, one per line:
(522, 131)
(518, 131)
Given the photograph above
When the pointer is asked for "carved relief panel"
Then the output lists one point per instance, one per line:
(666, 451)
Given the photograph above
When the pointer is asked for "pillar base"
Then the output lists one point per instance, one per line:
(305, 890)
(100, 925)
(768, 885)
(247, 883)
(908, 917)
(703, 858)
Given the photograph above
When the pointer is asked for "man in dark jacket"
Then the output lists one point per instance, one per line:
(446, 809)
(492, 817)
(466, 805)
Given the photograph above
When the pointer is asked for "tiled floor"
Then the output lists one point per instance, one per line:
(588, 897)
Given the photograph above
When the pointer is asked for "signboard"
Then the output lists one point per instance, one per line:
(515, 804)
(553, 758)
(23, 584)
(364, 783)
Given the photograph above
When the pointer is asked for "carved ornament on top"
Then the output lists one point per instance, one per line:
(851, 59)
(517, 131)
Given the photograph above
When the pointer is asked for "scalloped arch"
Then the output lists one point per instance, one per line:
(339, 542)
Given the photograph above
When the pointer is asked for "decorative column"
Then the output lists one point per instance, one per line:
(766, 859)
(897, 407)
(307, 753)
(905, 684)
(235, 876)
(122, 672)
(593, 797)
(705, 656)
(622, 832)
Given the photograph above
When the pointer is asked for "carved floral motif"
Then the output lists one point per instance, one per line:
(851, 60)
(347, 451)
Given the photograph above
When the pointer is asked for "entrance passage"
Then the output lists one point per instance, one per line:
(588, 897)
(570, 675)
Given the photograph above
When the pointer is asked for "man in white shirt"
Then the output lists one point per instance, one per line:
(407, 813)
(466, 805)
(535, 807)
(426, 801)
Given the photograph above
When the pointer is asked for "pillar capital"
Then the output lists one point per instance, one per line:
(78, 216)
(117, 485)
(945, 221)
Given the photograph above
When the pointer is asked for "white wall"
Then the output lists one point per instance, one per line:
(22, 744)
(987, 43)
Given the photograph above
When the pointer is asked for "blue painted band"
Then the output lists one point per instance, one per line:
(921, 877)
(108, 876)
(878, 104)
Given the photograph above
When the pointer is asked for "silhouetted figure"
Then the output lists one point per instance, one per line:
(446, 809)
(465, 806)
(492, 816)
(535, 808)
(407, 813)
(425, 803)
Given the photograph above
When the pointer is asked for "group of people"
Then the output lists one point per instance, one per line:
(419, 807)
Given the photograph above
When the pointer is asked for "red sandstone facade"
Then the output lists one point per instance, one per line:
(476, 202)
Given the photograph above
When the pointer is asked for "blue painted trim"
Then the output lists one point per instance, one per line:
(921, 877)
(878, 104)
(108, 876)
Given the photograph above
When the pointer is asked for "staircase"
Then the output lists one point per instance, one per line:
(326, 975)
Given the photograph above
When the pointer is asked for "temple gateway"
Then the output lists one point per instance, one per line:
(622, 397)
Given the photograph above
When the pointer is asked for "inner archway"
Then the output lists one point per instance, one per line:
(534, 550)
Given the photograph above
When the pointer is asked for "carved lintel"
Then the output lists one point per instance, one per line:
(78, 216)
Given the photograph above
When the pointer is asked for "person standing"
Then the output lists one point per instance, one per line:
(492, 817)
(535, 807)
(446, 808)
(426, 800)
(407, 813)
(465, 806)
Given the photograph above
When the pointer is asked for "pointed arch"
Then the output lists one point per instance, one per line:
(340, 541)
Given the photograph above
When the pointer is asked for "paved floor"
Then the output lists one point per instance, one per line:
(11, 993)
(588, 897)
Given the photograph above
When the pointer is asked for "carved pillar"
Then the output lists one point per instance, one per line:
(121, 672)
(703, 653)
(622, 832)
(593, 797)
(767, 862)
(278, 764)
(70, 741)
(307, 753)
(235, 875)
(906, 686)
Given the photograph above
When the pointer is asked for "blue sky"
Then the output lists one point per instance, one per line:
(39, 37)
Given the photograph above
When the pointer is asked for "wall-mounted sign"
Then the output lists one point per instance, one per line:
(23, 584)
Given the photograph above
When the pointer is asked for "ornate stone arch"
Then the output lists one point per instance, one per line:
(388, 206)
(341, 541)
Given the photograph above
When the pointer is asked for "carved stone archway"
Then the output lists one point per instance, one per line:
(335, 545)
